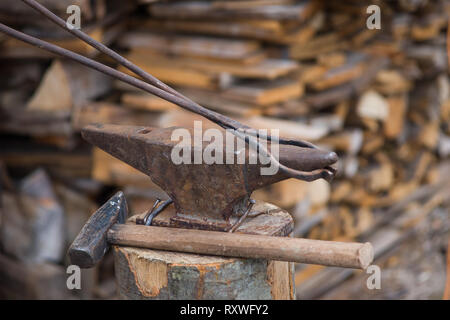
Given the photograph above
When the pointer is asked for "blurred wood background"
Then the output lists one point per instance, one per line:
(312, 69)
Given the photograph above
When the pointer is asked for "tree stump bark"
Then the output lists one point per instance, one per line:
(153, 274)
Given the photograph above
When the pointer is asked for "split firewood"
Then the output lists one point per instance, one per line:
(352, 69)
(444, 146)
(344, 91)
(205, 10)
(373, 106)
(146, 101)
(14, 49)
(24, 156)
(36, 123)
(77, 208)
(348, 141)
(66, 84)
(391, 82)
(396, 116)
(24, 14)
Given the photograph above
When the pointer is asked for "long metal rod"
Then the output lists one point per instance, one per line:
(213, 116)
(104, 49)
(224, 122)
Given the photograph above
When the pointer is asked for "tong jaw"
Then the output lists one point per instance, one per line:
(205, 194)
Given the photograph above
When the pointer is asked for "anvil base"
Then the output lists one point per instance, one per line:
(154, 274)
(264, 219)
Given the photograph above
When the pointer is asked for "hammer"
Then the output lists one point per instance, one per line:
(107, 227)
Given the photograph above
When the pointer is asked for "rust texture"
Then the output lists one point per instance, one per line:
(210, 193)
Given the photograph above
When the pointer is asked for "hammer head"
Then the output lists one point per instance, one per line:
(200, 190)
(91, 244)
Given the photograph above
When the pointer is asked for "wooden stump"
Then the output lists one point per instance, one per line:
(154, 274)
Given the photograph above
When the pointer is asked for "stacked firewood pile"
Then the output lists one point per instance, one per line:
(312, 69)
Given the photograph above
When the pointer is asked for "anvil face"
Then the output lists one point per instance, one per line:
(200, 191)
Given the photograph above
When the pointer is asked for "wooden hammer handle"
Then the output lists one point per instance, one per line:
(328, 253)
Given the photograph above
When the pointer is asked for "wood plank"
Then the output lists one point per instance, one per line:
(288, 128)
(12, 48)
(33, 281)
(20, 155)
(447, 285)
(266, 69)
(221, 103)
(205, 10)
(194, 46)
(111, 171)
(266, 30)
(265, 93)
(177, 75)
(33, 221)
(16, 8)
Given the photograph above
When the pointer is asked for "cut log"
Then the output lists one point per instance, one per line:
(153, 274)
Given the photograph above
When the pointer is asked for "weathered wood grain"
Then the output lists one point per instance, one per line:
(154, 274)
(331, 253)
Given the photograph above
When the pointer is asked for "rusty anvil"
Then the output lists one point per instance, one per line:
(205, 196)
